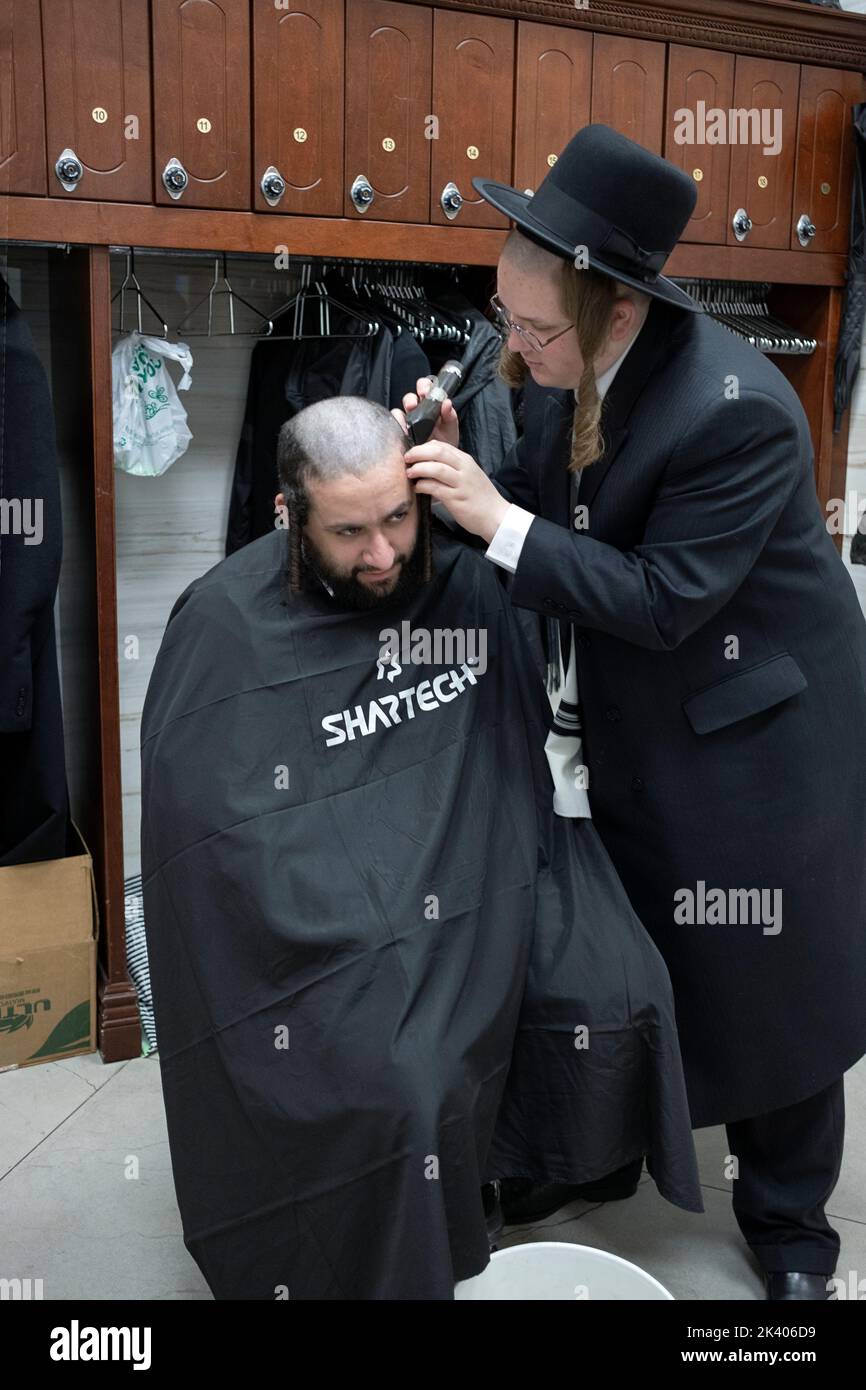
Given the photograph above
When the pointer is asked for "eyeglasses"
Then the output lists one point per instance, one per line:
(507, 325)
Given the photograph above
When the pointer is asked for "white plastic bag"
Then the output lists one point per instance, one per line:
(150, 428)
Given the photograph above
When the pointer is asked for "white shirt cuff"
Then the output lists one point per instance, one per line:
(507, 544)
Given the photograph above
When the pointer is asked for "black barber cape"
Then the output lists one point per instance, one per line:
(383, 971)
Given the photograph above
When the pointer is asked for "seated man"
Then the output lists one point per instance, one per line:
(384, 973)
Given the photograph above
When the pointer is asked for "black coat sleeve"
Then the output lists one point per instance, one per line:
(722, 492)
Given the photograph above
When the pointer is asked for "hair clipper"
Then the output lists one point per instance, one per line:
(422, 421)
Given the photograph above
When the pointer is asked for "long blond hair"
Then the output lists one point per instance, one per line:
(587, 298)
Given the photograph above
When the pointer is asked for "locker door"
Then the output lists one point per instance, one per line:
(554, 83)
(700, 80)
(22, 120)
(388, 102)
(628, 83)
(473, 101)
(97, 99)
(201, 101)
(762, 169)
(825, 158)
(298, 107)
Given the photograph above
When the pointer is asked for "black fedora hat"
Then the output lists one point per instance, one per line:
(627, 206)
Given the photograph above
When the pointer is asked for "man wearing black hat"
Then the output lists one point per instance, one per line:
(660, 511)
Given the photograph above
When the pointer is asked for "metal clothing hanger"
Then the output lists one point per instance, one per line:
(436, 322)
(742, 318)
(131, 286)
(368, 296)
(397, 300)
(430, 320)
(315, 296)
(406, 299)
(741, 307)
(232, 297)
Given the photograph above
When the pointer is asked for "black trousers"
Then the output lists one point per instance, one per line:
(789, 1162)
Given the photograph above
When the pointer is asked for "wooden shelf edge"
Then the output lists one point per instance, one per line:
(193, 229)
(123, 224)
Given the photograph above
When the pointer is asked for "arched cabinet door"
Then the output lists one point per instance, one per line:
(825, 158)
(97, 99)
(298, 71)
(763, 143)
(700, 82)
(201, 103)
(628, 85)
(473, 102)
(22, 118)
(553, 89)
(388, 101)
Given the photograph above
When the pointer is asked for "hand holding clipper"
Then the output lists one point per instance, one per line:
(434, 414)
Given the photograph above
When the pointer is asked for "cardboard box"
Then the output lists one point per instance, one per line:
(49, 927)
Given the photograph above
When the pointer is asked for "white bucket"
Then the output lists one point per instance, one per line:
(553, 1269)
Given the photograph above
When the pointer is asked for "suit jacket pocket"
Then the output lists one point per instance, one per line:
(747, 692)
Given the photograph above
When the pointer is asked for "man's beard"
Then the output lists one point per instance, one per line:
(350, 592)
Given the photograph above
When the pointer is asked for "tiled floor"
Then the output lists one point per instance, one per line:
(88, 1205)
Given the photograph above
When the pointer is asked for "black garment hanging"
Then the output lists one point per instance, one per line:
(34, 820)
(286, 376)
(484, 404)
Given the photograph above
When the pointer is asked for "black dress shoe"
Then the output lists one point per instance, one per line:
(783, 1285)
(614, 1186)
(524, 1201)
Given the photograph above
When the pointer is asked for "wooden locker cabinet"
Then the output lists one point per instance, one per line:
(22, 117)
(553, 88)
(473, 98)
(628, 85)
(388, 96)
(763, 184)
(97, 99)
(825, 157)
(700, 75)
(201, 102)
(298, 75)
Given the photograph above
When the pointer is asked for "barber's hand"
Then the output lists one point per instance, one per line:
(447, 430)
(455, 479)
